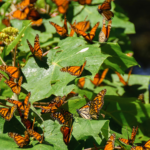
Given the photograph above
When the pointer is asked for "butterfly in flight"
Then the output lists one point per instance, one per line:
(130, 141)
(13, 72)
(84, 2)
(92, 108)
(110, 143)
(104, 9)
(62, 31)
(36, 51)
(20, 140)
(62, 5)
(125, 83)
(82, 25)
(145, 147)
(15, 87)
(88, 36)
(99, 79)
(7, 113)
(53, 105)
(74, 70)
(105, 31)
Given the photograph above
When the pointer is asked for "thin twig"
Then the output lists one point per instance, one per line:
(14, 60)
(4, 105)
(2, 61)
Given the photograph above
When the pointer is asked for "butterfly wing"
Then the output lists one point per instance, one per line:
(81, 82)
(121, 79)
(134, 131)
(137, 148)
(74, 70)
(66, 131)
(83, 2)
(20, 140)
(107, 14)
(110, 143)
(92, 32)
(26, 101)
(126, 141)
(26, 111)
(59, 117)
(147, 145)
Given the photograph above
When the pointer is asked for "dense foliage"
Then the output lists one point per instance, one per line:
(122, 110)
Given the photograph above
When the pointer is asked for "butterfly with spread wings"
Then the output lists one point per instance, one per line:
(53, 105)
(15, 87)
(36, 51)
(145, 147)
(74, 70)
(105, 31)
(13, 72)
(110, 143)
(62, 31)
(104, 9)
(130, 141)
(20, 140)
(92, 108)
(82, 25)
(88, 36)
(99, 79)
(7, 113)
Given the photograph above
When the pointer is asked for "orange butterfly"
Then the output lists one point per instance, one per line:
(53, 105)
(88, 36)
(36, 51)
(62, 5)
(121, 78)
(130, 141)
(104, 9)
(35, 134)
(7, 113)
(21, 14)
(21, 105)
(105, 31)
(92, 108)
(97, 79)
(35, 17)
(145, 147)
(110, 143)
(20, 140)
(6, 22)
(62, 31)
(84, 2)
(83, 25)
(141, 98)
(66, 131)
(13, 72)
(15, 87)
(81, 82)
(74, 70)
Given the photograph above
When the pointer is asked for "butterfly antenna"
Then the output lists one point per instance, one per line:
(33, 123)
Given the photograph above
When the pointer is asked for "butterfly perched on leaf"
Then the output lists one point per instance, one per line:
(20, 140)
(62, 31)
(81, 82)
(35, 134)
(15, 87)
(7, 113)
(13, 72)
(84, 2)
(74, 70)
(62, 5)
(99, 79)
(92, 108)
(110, 143)
(53, 105)
(104, 10)
(145, 147)
(88, 36)
(36, 50)
(141, 98)
(82, 25)
(125, 83)
(130, 141)
(105, 31)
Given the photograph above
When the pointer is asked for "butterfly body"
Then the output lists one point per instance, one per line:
(20, 140)
(36, 51)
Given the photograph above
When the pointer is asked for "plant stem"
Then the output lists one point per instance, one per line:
(2, 61)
